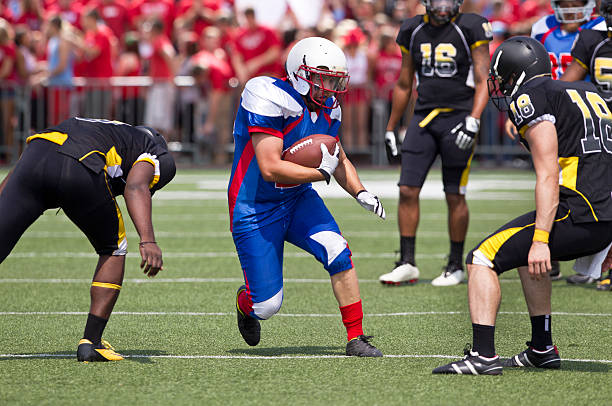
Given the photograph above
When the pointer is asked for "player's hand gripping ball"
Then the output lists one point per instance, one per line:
(307, 151)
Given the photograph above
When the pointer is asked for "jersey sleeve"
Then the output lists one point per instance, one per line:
(478, 30)
(529, 108)
(405, 34)
(585, 47)
(267, 106)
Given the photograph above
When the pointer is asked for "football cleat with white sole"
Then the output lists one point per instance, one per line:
(249, 327)
(403, 274)
(101, 352)
(535, 359)
(361, 347)
(452, 275)
(472, 364)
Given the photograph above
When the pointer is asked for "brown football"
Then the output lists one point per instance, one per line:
(307, 151)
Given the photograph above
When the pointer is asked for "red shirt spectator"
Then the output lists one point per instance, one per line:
(198, 14)
(70, 11)
(8, 69)
(30, 14)
(115, 15)
(387, 66)
(98, 52)
(258, 50)
(217, 70)
(143, 10)
(161, 53)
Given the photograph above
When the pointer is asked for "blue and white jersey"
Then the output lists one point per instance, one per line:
(271, 106)
(559, 43)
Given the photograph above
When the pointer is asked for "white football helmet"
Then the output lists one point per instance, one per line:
(317, 67)
(572, 14)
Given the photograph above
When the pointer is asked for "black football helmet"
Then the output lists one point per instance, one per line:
(442, 11)
(167, 166)
(515, 62)
(155, 136)
(605, 10)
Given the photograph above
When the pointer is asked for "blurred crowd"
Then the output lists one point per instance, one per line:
(220, 44)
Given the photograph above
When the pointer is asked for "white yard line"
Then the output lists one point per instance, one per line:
(265, 357)
(313, 315)
(220, 254)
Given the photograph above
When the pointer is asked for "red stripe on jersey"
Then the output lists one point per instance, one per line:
(265, 130)
(291, 126)
(241, 168)
(547, 33)
(327, 117)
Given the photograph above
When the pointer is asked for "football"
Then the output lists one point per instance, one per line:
(307, 151)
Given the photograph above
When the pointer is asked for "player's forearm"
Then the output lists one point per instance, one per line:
(138, 202)
(481, 98)
(547, 200)
(481, 66)
(347, 177)
(289, 173)
(401, 97)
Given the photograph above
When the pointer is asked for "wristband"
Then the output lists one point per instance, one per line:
(325, 174)
(146, 242)
(540, 235)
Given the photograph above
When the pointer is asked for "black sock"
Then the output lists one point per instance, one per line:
(456, 252)
(407, 249)
(94, 328)
(541, 337)
(484, 340)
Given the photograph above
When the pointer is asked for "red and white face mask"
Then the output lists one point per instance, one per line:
(324, 83)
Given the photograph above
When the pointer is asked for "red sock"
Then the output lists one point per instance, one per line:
(244, 303)
(352, 315)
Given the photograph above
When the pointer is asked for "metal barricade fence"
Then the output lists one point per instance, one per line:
(178, 110)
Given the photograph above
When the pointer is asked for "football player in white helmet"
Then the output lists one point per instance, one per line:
(317, 69)
(272, 200)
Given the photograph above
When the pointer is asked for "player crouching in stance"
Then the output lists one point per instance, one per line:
(272, 201)
(80, 166)
(563, 126)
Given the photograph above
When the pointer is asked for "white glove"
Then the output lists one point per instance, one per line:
(370, 202)
(328, 162)
(466, 132)
(391, 143)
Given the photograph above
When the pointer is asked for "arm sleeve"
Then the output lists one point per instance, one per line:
(478, 30)
(581, 51)
(529, 108)
(405, 34)
(263, 115)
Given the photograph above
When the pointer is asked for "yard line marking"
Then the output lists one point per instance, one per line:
(220, 254)
(205, 314)
(218, 234)
(190, 280)
(270, 357)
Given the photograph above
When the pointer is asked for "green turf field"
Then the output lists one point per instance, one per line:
(179, 332)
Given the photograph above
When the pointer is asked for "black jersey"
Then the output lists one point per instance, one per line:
(583, 120)
(442, 58)
(111, 146)
(593, 51)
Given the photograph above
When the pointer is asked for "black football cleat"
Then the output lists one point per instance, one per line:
(100, 352)
(532, 358)
(361, 347)
(472, 364)
(249, 327)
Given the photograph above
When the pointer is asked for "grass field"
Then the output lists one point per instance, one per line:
(179, 332)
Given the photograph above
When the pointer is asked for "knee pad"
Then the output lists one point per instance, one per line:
(268, 308)
(338, 254)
